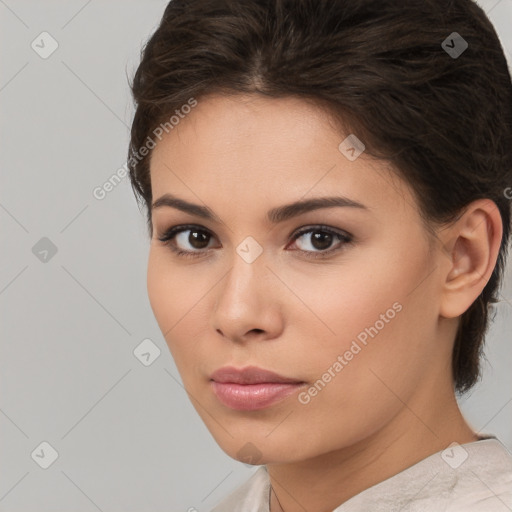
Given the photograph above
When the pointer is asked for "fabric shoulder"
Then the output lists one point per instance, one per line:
(487, 485)
(472, 477)
(251, 496)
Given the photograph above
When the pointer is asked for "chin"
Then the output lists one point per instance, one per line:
(257, 449)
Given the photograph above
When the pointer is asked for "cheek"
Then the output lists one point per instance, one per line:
(161, 298)
(169, 296)
(169, 288)
(374, 295)
(357, 375)
(348, 300)
(370, 319)
(178, 299)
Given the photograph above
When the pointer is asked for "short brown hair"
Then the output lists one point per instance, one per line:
(383, 69)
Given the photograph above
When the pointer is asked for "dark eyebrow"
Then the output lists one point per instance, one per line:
(276, 215)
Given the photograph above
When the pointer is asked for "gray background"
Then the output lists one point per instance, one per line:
(127, 437)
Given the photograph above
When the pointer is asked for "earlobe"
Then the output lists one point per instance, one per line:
(471, 256)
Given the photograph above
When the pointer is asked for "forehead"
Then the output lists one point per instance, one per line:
(251, 123)
(273, 149)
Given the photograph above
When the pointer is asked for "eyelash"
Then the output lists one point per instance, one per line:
(170, 234)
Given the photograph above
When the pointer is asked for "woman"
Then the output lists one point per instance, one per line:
(326, 192)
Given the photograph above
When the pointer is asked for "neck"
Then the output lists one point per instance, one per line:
(328, 480)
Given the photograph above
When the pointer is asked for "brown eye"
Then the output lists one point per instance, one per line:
(194, 241)
(318, 241)
(197, 239)
(187, 240)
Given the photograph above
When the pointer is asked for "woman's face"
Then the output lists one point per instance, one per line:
(341, 300)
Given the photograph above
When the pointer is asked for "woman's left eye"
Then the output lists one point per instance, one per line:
(322, 240)
(317, 246)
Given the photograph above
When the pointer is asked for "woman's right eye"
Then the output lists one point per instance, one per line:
(178, 237)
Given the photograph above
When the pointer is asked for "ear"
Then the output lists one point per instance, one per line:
(471, 247)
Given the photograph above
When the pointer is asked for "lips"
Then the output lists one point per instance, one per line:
(251, 388)
(249, 375)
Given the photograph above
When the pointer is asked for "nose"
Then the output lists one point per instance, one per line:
(248, 303)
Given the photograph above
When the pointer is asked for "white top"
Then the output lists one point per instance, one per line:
(472, 477)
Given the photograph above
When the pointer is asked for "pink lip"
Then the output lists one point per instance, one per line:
(251, 388)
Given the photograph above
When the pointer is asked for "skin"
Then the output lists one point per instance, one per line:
(393, 404)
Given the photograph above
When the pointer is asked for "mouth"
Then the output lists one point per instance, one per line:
(251, 388)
